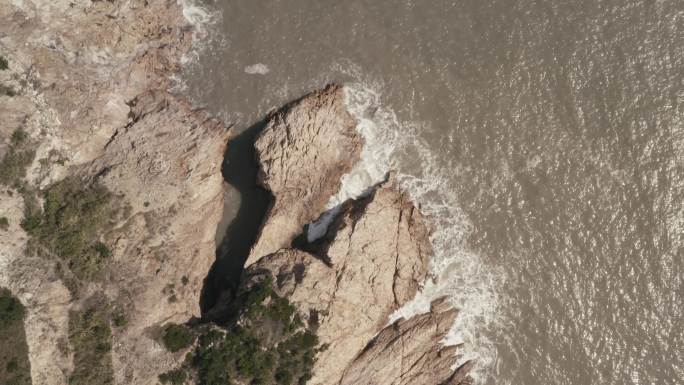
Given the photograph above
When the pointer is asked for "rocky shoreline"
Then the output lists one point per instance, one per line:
(103, 139)
(371, 260)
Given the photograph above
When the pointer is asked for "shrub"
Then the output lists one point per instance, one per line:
(18, 157)
(90, 337)
(173, 377)
(177, 337)
(73, 218)
(4, 223)
(263, 343)
(119, 318)
(7, 90)
(19, 136)
(4, 65)
(14, 362)
(11, 310)
(102, 249)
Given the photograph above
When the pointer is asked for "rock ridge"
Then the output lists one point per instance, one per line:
(90, 85)
(371, 260)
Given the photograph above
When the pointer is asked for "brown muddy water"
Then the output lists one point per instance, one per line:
(545, 139)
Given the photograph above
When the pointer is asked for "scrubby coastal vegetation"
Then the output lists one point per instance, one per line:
(90, 337)
(14, 363)
(18, 157)
(71, 225)
(264, 342)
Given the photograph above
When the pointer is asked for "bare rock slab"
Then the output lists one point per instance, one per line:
(303, 152)
(370, 263)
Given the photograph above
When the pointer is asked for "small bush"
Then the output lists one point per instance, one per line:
(14, 362)
(177, 337)
(12, 366)
(4, 223)
(7, 90)
(119, 319)
(264, 343)
(73, 219)
(19, 136)
(4, 65)
(102, 249)
(173, 377)
(90, 337)
(17, 158)
(11, 310)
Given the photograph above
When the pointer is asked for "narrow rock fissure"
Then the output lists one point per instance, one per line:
(240, 170)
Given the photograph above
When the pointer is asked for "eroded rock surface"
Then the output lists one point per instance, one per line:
(89, 85)
(303, 152)
(90, 88)
(409, 352)
(369, 263)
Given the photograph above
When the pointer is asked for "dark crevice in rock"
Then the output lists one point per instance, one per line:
(240, 170)
(352, 208)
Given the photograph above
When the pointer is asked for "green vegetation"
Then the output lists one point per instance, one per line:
(19, 156)
(3, 64)
(102, 249)
(11, 310)
(4, 223)
(177, 337)
(90, 337)
(73, 219)
(14, 363)
(7, 90)
(173, 377)
(265, 342)
(19, 136)
(119, 318)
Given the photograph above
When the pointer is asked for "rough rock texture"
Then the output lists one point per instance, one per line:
(303, 152)
(90, 83)
(370, 262)
(409, 352)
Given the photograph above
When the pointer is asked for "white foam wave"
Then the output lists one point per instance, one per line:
(201, 19)
(257, 69)
(195, 14)
(372, 167)
(456, 272)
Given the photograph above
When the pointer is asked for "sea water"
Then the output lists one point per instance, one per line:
(545, 139)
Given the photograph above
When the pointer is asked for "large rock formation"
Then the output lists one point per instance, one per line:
(88, 83)
(370, 263)
(371, 260)
(304, 150)
(410, 352)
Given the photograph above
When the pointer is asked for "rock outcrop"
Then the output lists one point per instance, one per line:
(370, 263)
(371, 260)
(88, 83)
(410, 352)
(303, 152)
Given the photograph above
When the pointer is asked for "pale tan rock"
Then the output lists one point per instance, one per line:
(409, 352)
(91, 81)
(370, 262)
(303, 152)
(46, 299)
(167, 166)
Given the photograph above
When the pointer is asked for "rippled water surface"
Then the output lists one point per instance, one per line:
(546, 139)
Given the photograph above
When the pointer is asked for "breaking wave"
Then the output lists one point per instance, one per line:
(456, 272)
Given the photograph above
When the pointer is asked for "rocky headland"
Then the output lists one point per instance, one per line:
(111, 195)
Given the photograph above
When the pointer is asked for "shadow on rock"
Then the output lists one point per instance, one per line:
(240, 170)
